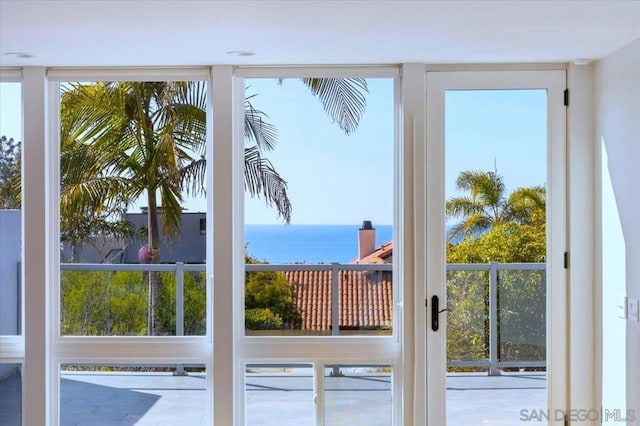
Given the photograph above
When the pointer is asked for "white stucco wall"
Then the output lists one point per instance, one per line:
(617, 93)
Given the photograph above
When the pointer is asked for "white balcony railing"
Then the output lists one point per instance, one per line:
(491, 324)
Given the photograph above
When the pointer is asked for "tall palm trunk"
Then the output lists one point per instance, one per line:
(154, 251)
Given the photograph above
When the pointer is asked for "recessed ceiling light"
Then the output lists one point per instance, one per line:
(23, 55)
(581, 61)
(240, 53)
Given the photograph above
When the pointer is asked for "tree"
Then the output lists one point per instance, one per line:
(509, 242)
(499, 229)
(10, 163)
(487, 206)
(269, 300)
(134, 139)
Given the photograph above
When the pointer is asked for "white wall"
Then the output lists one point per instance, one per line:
(617, 92)
(614, 285)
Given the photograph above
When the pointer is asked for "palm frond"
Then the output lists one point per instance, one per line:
(462, 207)
(343, 99)
(194, 177)
(525, 203)
(171, 212)
(257, 129)
(262, 180)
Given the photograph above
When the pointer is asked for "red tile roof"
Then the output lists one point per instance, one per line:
(382, 254)
(366, 299)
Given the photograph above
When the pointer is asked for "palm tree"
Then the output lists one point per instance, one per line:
(124, 140)
(131, 139)
(487, 206)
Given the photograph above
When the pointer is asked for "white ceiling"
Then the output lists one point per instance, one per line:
(146, 33)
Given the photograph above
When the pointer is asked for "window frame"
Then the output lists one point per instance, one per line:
(12, 347)
(108, 350)
(321, 350)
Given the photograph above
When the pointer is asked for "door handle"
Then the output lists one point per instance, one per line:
(435, 312)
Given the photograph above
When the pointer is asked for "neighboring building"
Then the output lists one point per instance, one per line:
(10, 265)
(366, 297)
(189, 247)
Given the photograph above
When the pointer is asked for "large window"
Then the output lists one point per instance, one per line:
(132, 185)
(319, 282)
(10, 208)
(319, 207)
(11, 252)
(131, 303)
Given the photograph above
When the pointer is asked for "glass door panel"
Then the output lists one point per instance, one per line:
(495, 189)
(494, 135)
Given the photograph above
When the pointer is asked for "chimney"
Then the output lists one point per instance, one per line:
(366, 239)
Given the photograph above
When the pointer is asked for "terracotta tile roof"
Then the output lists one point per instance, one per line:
(365, 298)
(382, 254)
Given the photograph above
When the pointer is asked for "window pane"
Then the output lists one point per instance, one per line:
(319, 193)
(10, 395)
(357, 395)
(279, 395)
(132, 163)
(141, 395)
(495, 189)
(10, 208)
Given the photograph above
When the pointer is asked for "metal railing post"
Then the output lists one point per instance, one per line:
(19, 299)
(335, 306)
(335, 300)
(493, 319)
(180, 309)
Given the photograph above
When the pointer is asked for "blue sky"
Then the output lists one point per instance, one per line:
(10, 110)
(503, 129)
(335, 179)
(332, 178)
(338, 179)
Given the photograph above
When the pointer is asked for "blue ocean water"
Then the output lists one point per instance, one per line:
(308, 243)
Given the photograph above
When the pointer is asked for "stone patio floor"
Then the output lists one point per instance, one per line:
(124, 399)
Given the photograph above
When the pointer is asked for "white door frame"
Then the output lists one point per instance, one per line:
(554, 81)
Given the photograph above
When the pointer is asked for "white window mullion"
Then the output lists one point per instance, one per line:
(412, 198)
(318, 391)
(36, 222)
(222, 103)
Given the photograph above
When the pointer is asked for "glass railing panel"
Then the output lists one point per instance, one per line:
(113, 300)
(468, 319)
(307, 300)
(522, 315)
